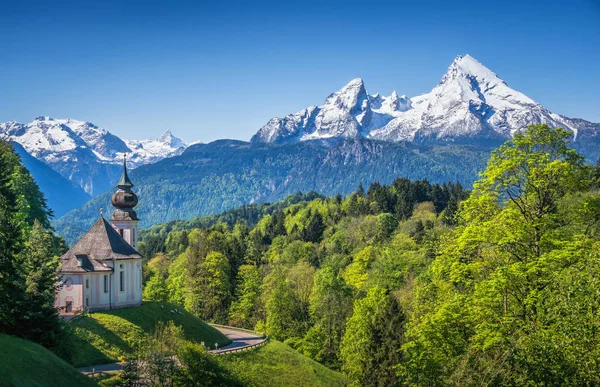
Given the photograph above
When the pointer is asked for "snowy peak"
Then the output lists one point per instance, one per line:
(466, 66)
(349, 112)
(151, 151)
(68, 145)
(469, 103)
(349, 98)
(170, 140)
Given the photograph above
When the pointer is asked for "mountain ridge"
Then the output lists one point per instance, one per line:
(469, 104)
(84, 153)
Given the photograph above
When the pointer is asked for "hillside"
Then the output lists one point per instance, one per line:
(215, 177)
(23, 363)
(276, 364)
(103, 337)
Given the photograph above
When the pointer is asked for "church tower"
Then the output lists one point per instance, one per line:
(124, 218)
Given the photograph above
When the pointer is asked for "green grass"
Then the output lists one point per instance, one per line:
(103, 337)
(276, 364)
(23, 363)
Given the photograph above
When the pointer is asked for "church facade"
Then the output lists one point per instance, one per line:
(103, 270)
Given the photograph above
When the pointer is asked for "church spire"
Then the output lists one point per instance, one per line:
(124, 199)
(124, 183)
(124, 218)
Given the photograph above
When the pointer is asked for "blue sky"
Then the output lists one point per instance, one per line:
(210, 71)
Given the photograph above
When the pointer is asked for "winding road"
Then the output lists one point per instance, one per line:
(239, 340)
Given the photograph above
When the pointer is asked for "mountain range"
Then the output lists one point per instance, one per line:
(470, 104)
(86, 155)
(446, 134)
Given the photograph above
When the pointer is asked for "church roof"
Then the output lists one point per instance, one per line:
(101, 242)
(81, 263)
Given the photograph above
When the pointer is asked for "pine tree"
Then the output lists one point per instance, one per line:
(315, 228)
(38, 317)
(10, 245)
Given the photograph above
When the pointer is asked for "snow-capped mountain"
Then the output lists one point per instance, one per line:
(87, 155)
(151, 151)
(470, 103)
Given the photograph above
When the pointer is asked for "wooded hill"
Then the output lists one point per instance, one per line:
(415, 283)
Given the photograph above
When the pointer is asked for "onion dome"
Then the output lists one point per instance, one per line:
(124, 199)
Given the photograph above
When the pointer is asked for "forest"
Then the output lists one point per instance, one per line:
(414, 283)
(410, 283)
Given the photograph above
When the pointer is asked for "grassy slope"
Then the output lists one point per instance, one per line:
(23, 363)
(102, 337)
(276, 364)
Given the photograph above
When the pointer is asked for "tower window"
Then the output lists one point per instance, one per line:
(105, 283)
(121, 232)
(87, 283)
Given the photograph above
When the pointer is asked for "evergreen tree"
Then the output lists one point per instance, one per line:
(370, 347)
(313, 232)
(10, 246)
(38, 317)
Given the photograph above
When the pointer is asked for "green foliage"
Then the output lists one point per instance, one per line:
(486, 313)
(422, 284)
(371, 345)
(276, 364)
(28, 250)
(103, 337)
(296, 272)
(212, 178)
(244, 310)
(23, 363)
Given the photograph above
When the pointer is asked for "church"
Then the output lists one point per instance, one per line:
(103, 270)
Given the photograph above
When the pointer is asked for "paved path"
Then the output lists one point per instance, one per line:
(239, 339)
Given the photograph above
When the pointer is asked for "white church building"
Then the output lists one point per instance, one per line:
(103, 270)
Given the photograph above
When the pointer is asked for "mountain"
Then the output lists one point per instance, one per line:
(353, 137)
(62, 194)
(470, 104)
(212, 178)
(87, 155)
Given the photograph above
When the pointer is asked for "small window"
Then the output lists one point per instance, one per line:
(105, 283)
(87, 283)
(121, 232)
(122, 280)
(87, 301)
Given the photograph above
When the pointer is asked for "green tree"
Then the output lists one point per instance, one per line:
(330, 307)
(313, 232)
(244, 309)
(489, 301)
(214, 287)
(370, 346)
(38, 318)
(285, 314)
(10, 245)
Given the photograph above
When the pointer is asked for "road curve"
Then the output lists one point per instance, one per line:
(239, 340)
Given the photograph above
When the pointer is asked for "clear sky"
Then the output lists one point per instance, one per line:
(210, 70)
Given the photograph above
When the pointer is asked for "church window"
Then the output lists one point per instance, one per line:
(105, 283)
(87, 283)
(122, 279)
